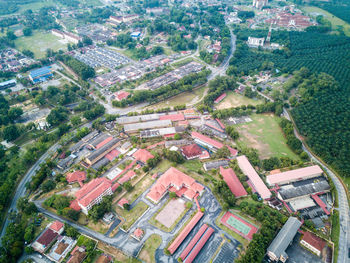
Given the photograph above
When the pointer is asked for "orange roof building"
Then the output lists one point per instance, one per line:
(57, 227)
(76, 176)
(92, 193)
(313, 242)
(178, 182)
(142, 155)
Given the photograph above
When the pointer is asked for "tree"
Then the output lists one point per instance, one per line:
(172, 195)
(224, 152)
(57, 116)
(70, 231)
(11, 132)
(128, 187)
(27, 31)
(48, 185)
(75, 120)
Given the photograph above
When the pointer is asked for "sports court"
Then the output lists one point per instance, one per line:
(171, 212)
(239, 225)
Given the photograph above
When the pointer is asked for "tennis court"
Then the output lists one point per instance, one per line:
(239, 225)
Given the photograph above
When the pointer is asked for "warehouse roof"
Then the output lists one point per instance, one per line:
(40, 71)
(132, 119)
(173, 117)
(284, 237)
(307, 187)
(146, 125)
(294, 175)
(233, 182)
(194, 241)
(103, 149)
(253, 176)
(199, 245)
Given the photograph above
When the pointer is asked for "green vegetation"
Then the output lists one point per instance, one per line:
(265, 135)
(340, 8)
(271, 221)
(132, 215)
(318, 52)
(147, 253)
(84, 71)
(39, 42)
(335, 232)
(322, 115)
(216, 87)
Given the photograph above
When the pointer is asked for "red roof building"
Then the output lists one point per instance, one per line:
(122, 202)
(76, 176)
(57, 227)
(121, 95)
(319, 201)
(128, 176)
(142, 155)
(233, 182)
(179, 181)
(220, 98)
(93, 192)
(45, 240)
(173, 117)
(193, 242)
(191, 151)
(220, 123)
(199, 245)
(138, 234)
(115, 186)
(184, 233)
(206, 141)
(107, 140)
(112, 154)
(313, 242)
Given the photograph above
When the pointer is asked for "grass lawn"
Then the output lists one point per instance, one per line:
(335, 21)
(98, 227)
(335, 233)
(193, 165)
(83, 240)
(36, 5)
(147, 253)
(181, 99)
(161, 167)
(234, 100)
(39, 42)
(182, 62)
(265, 135)
(159, 225)
(139, 189)
(132, 215)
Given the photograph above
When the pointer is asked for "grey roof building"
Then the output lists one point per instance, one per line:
(215, 164)
(277, 249)
(134, 127)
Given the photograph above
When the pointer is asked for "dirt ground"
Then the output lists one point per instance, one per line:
(235, 100)
(116, 253)
(171, 212)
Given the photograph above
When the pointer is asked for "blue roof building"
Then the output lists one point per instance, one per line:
(136, 34)
(8, 84)
(40, 75)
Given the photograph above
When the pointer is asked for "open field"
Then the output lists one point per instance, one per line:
(148, 251)
(234, 100)
(167, 221)
(132, 215)
(335, 21)
(139, 189)
(39, 42)
(181, 99)
(98, 227)
(265, 135)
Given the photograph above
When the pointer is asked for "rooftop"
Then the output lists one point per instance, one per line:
(314, 240)
(191, 151)
(173, 117)
(142, 155)
(233, 182)
(177, 179)
(294, 175)
(92, 190)
(253, 176)
(207, 140)
(40, 71)
(76, 176)
(284, 237)
(56, 226)
(47, 237)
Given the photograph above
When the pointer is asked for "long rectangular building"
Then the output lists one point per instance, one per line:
(277, 249)
(98, 154)
(294, 175)
(134, 127)
(253, 176)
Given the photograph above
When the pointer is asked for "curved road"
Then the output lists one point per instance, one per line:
(344, 217)
(21, 189)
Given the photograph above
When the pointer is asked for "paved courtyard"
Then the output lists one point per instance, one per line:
(171, 212)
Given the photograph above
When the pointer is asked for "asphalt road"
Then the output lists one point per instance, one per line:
(21, 189)
(344, 217)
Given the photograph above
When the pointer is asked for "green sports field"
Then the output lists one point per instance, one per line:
(241, 227)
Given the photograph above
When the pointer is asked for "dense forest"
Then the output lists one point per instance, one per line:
(339, 8)
(11, 6)
(318, 52)
(322, 115)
